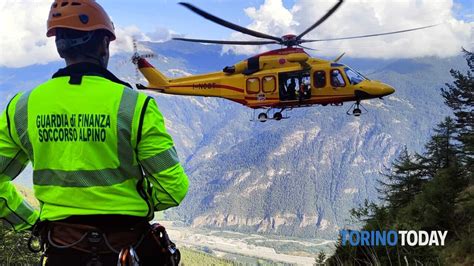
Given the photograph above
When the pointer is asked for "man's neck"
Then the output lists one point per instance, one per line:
(82, 60)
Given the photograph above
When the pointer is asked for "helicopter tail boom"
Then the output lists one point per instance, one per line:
(155, 78)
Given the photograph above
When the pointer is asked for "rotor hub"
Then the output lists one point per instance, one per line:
(289, 40)
(135, 58)
(288, 37)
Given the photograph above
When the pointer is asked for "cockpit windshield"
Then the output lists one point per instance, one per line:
(353, 76)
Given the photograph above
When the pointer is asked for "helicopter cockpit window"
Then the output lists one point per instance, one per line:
(337, 80)
(319, 79)
(253, 85)
(353, 76)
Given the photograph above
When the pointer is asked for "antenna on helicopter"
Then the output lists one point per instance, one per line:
(339, 57)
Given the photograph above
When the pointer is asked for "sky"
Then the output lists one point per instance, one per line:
(23, 26)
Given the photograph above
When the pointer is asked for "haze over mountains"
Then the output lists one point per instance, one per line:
(297, 177)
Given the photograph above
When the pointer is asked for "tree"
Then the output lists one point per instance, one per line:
(459, 96)
(441, 152)
(320, 258)
(404, 181)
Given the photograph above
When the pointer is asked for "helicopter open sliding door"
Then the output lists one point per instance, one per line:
(295, 86)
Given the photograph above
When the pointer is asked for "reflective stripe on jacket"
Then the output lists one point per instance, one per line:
(84, 132)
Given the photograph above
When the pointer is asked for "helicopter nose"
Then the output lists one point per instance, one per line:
(373, 89)
(387, 90)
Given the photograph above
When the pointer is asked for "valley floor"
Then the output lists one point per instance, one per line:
(247, 248)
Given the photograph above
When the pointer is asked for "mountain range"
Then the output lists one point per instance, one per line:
(296, 177)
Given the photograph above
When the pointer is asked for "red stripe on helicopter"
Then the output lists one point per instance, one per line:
(284, 51)
(297, 103)
(312, 97)
(239, 101)
(142, 63)
(214, 86)
(255, 98)
(230, 88)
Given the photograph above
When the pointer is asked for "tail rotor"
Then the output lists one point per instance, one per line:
(136, 57)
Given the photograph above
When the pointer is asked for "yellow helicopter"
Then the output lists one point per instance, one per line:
(279, 80)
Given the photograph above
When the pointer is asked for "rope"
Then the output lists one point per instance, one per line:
(50, 240)
(107, 243)
(104, 236)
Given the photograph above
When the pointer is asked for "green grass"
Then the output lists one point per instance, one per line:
(191, 257)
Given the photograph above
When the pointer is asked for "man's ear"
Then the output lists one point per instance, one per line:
(104, 49)
(104, 52)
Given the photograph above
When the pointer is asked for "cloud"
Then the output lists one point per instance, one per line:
(24, 41)
(23, 29)
(359, 17)
(125, 37)
(161, 34)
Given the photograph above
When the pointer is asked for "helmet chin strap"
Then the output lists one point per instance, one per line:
(64, 44)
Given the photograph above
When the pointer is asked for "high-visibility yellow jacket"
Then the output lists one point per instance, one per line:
(86, 133)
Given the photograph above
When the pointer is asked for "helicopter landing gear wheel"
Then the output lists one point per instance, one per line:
(277, 116)
(262, 117)
(356, 109)
(357, 112)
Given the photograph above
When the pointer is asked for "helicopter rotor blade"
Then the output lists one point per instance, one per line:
(135, 45)
(227, 42)
(321, 20)
(229, 25)
(369, 35)
(148, 56)
(307, 48)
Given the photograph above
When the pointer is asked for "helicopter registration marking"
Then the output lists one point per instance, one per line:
(204, 86)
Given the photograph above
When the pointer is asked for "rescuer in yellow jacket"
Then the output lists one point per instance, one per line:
(99, 150)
